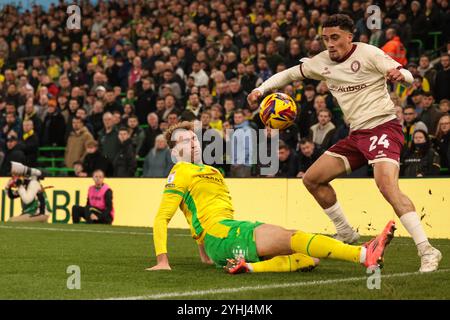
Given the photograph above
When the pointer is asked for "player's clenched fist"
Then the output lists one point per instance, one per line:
(395, 75)
(254, 96)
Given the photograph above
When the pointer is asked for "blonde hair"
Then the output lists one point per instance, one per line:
(186, 125)
(160, 137)
(439, 132)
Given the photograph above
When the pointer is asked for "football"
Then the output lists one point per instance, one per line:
(278, 111)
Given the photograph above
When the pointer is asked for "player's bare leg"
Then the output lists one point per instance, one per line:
(317, 180)
(386, 178)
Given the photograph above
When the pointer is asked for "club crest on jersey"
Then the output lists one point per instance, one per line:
(326, 71)
(355, 66)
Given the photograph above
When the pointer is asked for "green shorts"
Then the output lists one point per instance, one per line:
(240, 241)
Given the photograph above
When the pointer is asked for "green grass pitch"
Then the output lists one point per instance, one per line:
(34, 261)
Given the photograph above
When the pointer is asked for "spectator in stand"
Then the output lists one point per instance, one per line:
(160, 107)
(430, 114)
(199, 75)
(426, 70)
(135, 72)
(411, 124)
(30, 112)
(137, 134)
(444, 106)
(107, 137)
(416, 18)
(95, 160)
(53, 127)
(158, 162)
(117, 118)
(82, 114)
(150, 133)
(96, 117)
(321, 132)
(193, 109)
(72, 112)
(242, 147)
(172, 119)
(441, 141)
(75, 149)
(420, 160)
(146, 100)
(170, 105)
(124, 162)
(309, 116)
(238, 95)
(14, 152)
(216, 117)
(30, 142)
(309, 153)
(403, 28)
(12, 124)
(169, 79)
(394, 47)
(288, 162)
(442, 86)
(111, 102)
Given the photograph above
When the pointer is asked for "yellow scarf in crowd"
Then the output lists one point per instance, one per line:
(27, 135)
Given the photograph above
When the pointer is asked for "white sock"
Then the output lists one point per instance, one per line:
(337, 216)
(412, 224)
(362, 255)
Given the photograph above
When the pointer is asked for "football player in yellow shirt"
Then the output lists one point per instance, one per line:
(240, 246)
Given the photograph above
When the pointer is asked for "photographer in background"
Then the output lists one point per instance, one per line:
(99, 207)
(25, 184)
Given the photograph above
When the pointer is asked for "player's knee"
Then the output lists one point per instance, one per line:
(309, 182)
(388, 189)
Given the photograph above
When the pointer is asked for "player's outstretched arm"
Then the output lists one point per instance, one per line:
(276, 81)
(167, 209)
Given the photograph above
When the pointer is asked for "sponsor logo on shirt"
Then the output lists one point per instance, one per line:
(380, 155)
(348, 88)
(171, 177)
(211, 178)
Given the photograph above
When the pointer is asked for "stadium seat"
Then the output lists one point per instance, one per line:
(435, 35)
(56, 170)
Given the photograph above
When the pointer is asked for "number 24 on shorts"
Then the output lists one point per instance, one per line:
(381, 141)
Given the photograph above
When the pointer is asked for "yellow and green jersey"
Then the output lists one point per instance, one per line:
(200, 192)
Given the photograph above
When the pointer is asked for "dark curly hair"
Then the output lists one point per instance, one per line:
(342, 21)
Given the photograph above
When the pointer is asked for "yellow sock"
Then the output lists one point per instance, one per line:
(319, 246)
(289, 263)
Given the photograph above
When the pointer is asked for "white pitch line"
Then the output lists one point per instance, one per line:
(264, 287)
(136, 233)
(90, 231)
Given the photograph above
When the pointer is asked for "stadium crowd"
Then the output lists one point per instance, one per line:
(106, 92)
